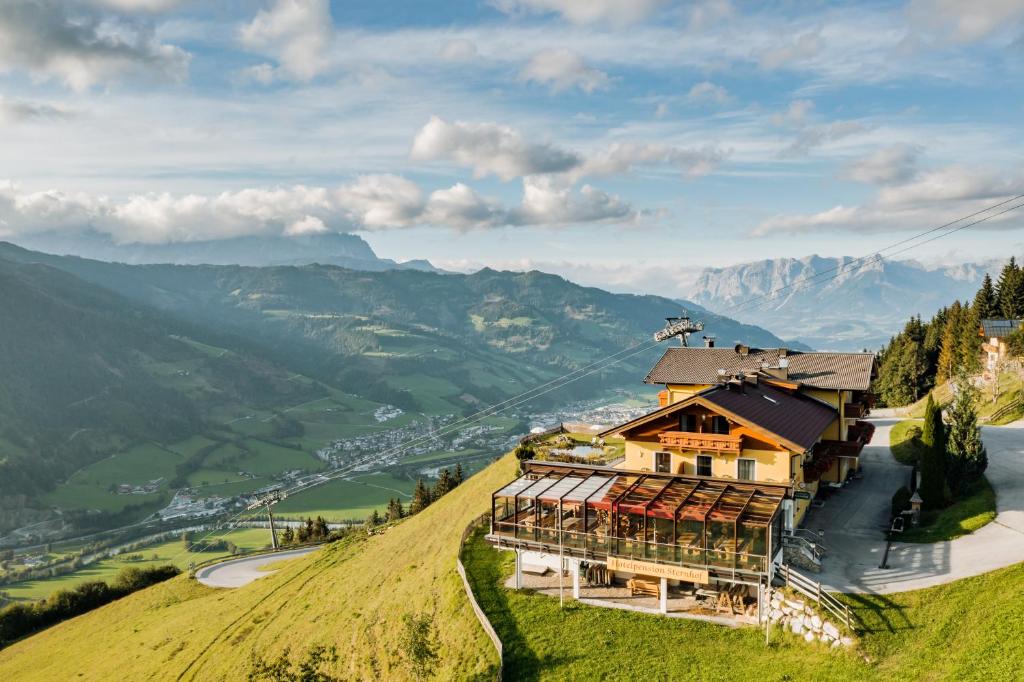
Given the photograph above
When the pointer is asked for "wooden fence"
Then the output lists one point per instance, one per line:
(812, 589)
(480, 615)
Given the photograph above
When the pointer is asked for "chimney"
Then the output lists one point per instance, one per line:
(742, 349)
(780, 370)
(709, 342)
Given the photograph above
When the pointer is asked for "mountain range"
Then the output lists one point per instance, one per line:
(328, 248)
(835, 303)
(101, 357)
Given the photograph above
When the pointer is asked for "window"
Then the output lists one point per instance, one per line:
(703, 465)
(662, 462)
(688, 422)
(745, 469)
(719, 425)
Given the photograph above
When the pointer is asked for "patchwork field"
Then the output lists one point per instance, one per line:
(169, 552)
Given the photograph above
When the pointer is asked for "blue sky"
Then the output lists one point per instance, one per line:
(623, 144)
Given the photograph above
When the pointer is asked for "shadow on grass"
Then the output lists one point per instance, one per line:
(877, 613)
(486, 570)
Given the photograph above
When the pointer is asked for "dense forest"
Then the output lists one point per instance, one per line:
(926, 354)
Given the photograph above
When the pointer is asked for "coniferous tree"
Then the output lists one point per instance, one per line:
(933, 469)
(420, 498)
(966, 451)
(1010, 291)
(444, 483)
(320, 529)
(288, 536)
(395, 510)
(969, 341)
(986, 304)
(459, 476)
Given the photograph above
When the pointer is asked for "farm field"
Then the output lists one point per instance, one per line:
(168, 552)
(345, 500)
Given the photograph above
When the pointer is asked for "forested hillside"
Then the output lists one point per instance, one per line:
(381, 334)
(87, 372)
(927, 353)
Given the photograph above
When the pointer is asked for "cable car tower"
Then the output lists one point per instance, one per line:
(678, 326)
(269, 500)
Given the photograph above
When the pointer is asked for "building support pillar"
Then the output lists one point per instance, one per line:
(576, 580)
(663, 596)
(519, 569)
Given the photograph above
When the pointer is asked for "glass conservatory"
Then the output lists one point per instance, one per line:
(597, 512)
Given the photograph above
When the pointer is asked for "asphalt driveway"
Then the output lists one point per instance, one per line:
(239, 572)
(855, 518)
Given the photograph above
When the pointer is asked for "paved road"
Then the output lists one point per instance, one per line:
(239, 572)
(855, 519)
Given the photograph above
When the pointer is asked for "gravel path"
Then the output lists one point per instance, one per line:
(854, 521)
(239, 572)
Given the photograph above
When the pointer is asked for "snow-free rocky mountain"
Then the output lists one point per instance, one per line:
(835, 303)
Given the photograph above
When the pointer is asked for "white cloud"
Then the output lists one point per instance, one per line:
(458, 50)
(297, 33)
(18, 110)
(562, 69)
(966, 21)
(622, 157)
(307, 225)
(795, 114)
(890, 165)
(54, 40)
(661, 111)
(489, 148)
(139, 5)
(932, 199)
(553, 201)
(381, 201)
(708, 92)
(803, 47)
(707, 13)
(617, 12)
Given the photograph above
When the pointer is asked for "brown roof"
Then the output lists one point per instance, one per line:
(835, 371)
(792, 419)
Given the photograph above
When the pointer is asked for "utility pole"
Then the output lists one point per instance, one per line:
(267, 501)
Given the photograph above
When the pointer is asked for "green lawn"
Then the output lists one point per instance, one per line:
(975, 509)
(170, 551)
(968, 630)
(904, 441)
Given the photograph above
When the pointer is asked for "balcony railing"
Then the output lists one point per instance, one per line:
(717, 442)
(854, 410)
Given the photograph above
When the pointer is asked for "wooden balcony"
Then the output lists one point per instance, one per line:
(714, 442)
(854, 410)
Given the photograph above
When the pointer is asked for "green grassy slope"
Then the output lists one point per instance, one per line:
(967, 630)
(351, 595)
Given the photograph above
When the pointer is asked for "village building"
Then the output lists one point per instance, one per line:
(712, 482)
(994, 347)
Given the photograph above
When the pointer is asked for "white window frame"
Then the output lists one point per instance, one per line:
(655, 467)
(753, 465)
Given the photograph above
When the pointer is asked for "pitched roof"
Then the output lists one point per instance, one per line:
(794, 420)
(999, 328)
(835, 371)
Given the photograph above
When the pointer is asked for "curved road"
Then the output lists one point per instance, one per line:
(854, 520)
(239, 572)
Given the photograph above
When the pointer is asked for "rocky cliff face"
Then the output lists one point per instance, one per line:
(835, 303)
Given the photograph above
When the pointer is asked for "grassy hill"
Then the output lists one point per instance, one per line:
(354, 595)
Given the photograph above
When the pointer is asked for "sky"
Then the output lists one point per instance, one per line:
(626, 144)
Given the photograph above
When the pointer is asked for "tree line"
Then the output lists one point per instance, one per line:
(925, 354)
(952, 457)
(25, 618)
(422, 497)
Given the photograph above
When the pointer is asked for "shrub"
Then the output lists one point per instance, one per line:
(901, 501)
